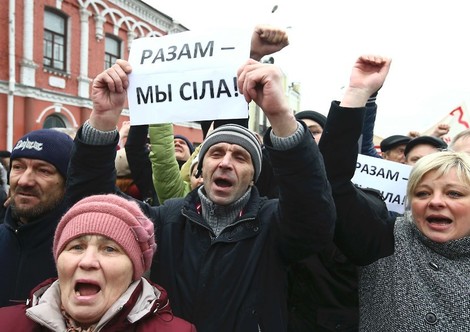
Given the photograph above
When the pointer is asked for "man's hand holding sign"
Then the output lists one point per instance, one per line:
(191, 76)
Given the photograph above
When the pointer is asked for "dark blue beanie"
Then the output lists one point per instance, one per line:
(49, 145)
(188, 143)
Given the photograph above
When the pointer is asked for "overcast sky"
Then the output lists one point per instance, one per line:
(428, 42)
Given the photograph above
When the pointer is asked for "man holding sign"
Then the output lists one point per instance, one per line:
(190, 76)
(223, 250)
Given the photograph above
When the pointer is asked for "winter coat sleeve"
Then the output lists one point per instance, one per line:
(166, 172)
(91, 170)
(139, 162)
(305, 203)
(364, 228)
(367, 138)
(267, 182)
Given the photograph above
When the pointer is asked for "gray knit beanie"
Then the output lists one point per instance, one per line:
(234, 134)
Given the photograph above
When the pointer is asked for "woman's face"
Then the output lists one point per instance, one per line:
(441, 207)
(94, 272)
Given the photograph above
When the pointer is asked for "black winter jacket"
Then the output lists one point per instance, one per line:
(26, 255)
(237, 281)
(353, 205)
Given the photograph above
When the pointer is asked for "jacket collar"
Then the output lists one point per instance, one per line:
(45, 307)
(35, 231)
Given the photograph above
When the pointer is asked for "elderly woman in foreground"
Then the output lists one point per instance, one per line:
(102, 247)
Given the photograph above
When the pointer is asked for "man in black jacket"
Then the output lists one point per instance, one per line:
(223, 250)
(38, 170)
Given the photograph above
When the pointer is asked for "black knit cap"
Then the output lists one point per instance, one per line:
(234, 134)
(393, 141)
(425, 140)
(312, 115)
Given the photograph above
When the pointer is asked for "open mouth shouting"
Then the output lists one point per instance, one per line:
(438, 222)
(223, 182)
(86, 289)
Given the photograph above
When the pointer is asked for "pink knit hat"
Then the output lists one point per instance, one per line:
(112, 216)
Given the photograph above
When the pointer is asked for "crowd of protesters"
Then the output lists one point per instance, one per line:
(133, 228)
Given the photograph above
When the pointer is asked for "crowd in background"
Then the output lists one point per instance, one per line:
(113, 229)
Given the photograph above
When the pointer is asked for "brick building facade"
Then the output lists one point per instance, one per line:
(52, 49)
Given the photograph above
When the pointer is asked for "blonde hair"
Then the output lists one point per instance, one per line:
(442, 163)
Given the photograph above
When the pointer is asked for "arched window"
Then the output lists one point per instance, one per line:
(54, 121)
(55, 39)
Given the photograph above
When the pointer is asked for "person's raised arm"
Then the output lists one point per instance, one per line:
(167, 179)
(367, 146)
(92, 170)
(305, 201)
(367, 76)
(138, 159)
(266, 40)
(364, 231)
(109, 93)
(262, 83)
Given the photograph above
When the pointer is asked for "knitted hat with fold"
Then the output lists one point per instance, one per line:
(114, 217)
(234, 134)
(49, 145)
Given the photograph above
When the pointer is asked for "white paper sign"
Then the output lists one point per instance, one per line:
(188, 76)
(389, 177)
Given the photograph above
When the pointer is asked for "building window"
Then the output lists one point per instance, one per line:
(112, 51)
(55, 37)
(54, 121)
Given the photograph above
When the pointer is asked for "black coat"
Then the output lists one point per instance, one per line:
(237, 281)
(339, 148)
(323, 288)
(26, 255)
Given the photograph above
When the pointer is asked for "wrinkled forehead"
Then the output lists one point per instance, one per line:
(229, 147)
(33, 161)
